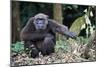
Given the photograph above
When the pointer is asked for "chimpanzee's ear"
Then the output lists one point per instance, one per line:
(47, 16)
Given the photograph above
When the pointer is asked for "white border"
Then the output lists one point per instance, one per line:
(82, 2)
(5, 33)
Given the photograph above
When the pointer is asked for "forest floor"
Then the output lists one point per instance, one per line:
(54, 58)
(60, 56)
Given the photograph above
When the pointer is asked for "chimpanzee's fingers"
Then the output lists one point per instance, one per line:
(72, 35)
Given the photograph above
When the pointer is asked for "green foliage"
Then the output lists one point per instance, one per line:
(77, 24)
(65, 45)
(62, 45)
(17, 47)
(82, 40)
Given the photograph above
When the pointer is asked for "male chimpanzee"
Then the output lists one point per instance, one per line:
(39, 34)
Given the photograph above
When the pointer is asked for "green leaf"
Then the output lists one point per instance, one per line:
(17, 47)
(77, 24)
(62, 45)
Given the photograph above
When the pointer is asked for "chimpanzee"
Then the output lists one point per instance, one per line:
(39, 34)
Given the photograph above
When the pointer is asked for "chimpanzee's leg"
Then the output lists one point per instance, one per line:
(31, 47)
(48, 45)
(34, 52)
(28, 44)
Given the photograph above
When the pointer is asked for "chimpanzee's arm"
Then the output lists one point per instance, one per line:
(28, 32)
(56, 27)
(32, 36)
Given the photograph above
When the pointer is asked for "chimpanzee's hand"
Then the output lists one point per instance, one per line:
(72, 35)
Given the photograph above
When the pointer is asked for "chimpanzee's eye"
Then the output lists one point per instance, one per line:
(40, 19)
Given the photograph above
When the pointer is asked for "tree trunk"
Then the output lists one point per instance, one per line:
(57, 9)
(15, 21)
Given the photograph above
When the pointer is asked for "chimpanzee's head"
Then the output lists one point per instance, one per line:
(40, 21)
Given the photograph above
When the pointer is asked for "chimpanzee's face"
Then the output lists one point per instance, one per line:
(40, 24)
